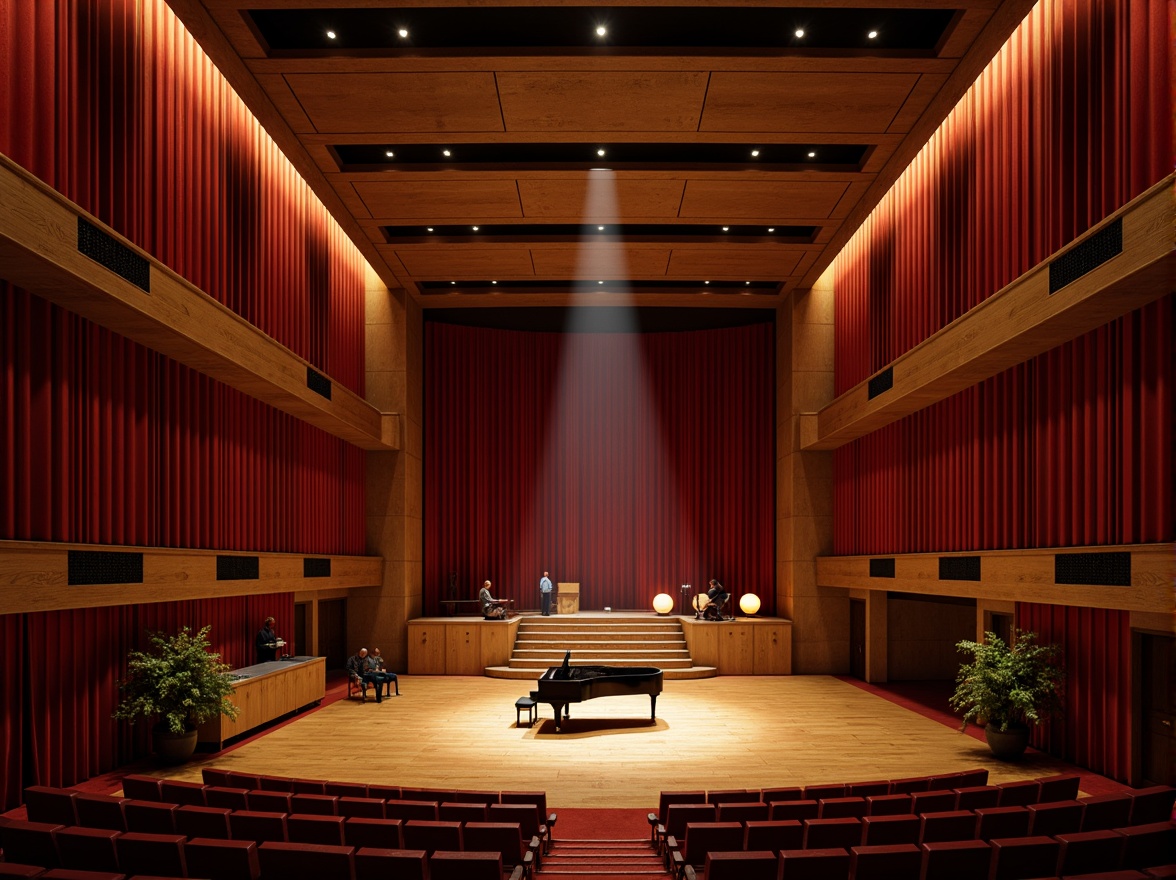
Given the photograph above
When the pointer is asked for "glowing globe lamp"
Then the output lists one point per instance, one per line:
(749, 604)
(663, 603)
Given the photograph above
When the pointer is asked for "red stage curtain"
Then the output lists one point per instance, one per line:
(1070, 121)
(101, 441)
(630, 463)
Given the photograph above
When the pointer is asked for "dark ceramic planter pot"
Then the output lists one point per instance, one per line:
(1009, 745)
(174, 748)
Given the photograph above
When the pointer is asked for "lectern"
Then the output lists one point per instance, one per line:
(568, 598)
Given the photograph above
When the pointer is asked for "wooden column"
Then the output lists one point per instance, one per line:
(394, 382)
(804, 480)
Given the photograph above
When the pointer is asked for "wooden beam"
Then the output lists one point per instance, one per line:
(39, 252)
(1019, 322)
(34, 576)
(1016, 576)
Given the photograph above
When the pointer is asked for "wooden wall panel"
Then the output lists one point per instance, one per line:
(922, 635)
(799, 102)
(484, 264)
(399, 102)
(463, 648)
(466, 200)
(597, 262)
(602, 100)
(773, 649)
(736, 649)
(734, 261)
(724, 200)
(426, 648)
(608, 199)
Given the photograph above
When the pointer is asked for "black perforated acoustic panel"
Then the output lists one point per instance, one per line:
(316, 568)
(1112, 569)
(1087, 256)
(881, 568)
(113, 254)
(959, 568)
(884, 381)
(318, 383)
(237, 568)
(90, 567)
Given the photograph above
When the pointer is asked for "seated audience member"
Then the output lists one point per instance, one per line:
(375, 663)
(492, 609)
(358, 669)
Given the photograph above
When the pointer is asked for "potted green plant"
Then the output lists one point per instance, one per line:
(180, 684)
(1009, 688)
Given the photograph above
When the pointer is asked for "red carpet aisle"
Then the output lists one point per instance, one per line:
(602, 843)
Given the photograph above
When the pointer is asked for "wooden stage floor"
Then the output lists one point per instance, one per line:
(732, 732)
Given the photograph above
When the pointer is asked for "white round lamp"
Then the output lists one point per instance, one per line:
(663, 603)
(749, 604)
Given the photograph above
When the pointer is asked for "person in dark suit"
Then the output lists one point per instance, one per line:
(267, 642)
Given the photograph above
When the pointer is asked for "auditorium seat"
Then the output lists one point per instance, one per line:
(216, 776)
(948, 781)
(1152, 804)
(141, 787)
(263, 801)
(314, 804)
(774, 835)
(841, 808)
(791, 793)
(485, 798)
(452, 811)
(976, 797)
(884, 862)
(305, 861)
(308, 786)
(432, 835)
(538, 798)
(705, 837)
(732, 796)
(799, 810)
(453, 865)
(276, 783)
(210, 822)
(678, 814)
(868, 789)
(750, 865)
(222, 859)
(665, 799)
(1023, 858)
(1123, 874)
(966, 778)
(889, 805)
(1058, 788)
(427, 794)
(362, 831)
(814, 864)
(506, 839)
(1002, 822)
(258, 825)
(72, 874)
(30, 843)
(1090, 851)
(227, 798)
(384, 792)
(367, 807)
(933, 801)
(529, 818)
(1019, 794)
(908, 785)
(150, 817)
(159, 854)
(176, 791)
(347, 789)
(247, 781)
(828, 833)
(1144, 847)
(53, 806)
(11, 869)
(827, 790)
(406, 809)
(886, 830)
(374, 863)
(101, 811)
(1058, 817)
(955, 860)
(1105, 811)
(949, 825)
(88, 849)
(309, 828)
(742, 812)
(1165, 871)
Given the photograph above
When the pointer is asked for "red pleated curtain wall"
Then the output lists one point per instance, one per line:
(628, 463)
(112, 103)
(1070, 121)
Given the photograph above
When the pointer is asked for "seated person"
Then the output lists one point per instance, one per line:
(717, 597)
(492, 609)
(358, 669)
(375, 663)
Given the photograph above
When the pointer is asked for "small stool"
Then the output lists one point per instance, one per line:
(524, 703)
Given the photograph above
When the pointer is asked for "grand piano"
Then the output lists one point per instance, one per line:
(562, 685)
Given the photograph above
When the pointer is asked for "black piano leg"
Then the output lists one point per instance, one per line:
(558, 715)
(653, 707)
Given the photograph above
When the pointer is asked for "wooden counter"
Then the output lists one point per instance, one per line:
(265, 692)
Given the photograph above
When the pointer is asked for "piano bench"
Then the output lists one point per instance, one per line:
(524, 703)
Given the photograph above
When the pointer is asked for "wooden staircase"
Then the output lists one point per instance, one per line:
(612, 640)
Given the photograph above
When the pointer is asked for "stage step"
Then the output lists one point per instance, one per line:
(587, 859)
(532, 675)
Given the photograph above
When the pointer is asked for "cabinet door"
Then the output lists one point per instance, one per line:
(463, 648)
(426, 649)
(773, 649)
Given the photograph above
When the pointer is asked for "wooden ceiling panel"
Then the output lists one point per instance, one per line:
(772, 203)
(467, 201)
(602, 100)
(611, 199)
(617, 262)
(747, 262)
(398, 102)
(800, 102)
(474, 264)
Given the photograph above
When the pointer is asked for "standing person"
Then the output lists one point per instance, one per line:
(359, 669)
(545, 594)
(267, 642)
(492, 609)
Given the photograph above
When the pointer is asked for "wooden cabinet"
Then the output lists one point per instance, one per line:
(426, 648)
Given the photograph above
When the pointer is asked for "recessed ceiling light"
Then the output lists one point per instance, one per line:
(600, 282)
(429, 228)
(812, 154)
(493, 282)
(771, 229)
(747, 282)
(453, 282)
(475, 228)
(446, 153)
(331, 35)
(754, 153)
(600, 229)
(799, 32)
(706, 282)
(600, 152)
(601, 30)
(389, 154)
(872, 35)
(726, 229)
(403, 33)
